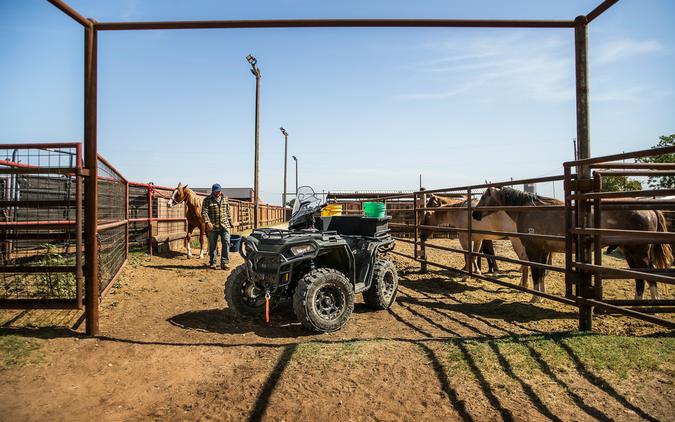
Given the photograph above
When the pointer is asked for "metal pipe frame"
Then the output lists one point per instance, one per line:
(334, 23)
(91, 29)
(91, 182)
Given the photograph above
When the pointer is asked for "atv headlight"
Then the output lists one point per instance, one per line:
(302, 249)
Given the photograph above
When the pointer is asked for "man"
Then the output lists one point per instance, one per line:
(216, 215)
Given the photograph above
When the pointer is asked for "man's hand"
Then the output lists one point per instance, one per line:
(209, 226)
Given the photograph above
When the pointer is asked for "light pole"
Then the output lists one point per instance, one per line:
(256, 72)
(296, 176)
(283, 131)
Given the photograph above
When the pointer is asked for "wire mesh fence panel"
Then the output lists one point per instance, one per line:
(111, 195)
(112, 224)
(112, 255)
(39, 246)
(139, 207)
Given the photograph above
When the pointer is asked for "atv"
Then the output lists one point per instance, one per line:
(318, 265)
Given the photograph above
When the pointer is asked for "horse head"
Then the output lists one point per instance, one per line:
(178, 195)
(429, 219)
(490, 198)
(434, 201)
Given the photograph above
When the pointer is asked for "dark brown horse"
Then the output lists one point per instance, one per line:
(552, 222)
(193, 213)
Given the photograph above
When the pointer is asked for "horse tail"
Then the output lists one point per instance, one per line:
(661, 254)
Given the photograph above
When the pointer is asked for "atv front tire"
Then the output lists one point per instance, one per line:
(382, 291)
(242, 295)
(323, 301)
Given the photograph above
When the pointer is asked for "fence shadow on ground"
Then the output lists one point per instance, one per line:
(507, 311)
(434, 348)
(425, 307)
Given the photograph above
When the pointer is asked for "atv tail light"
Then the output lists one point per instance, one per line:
(302, 249)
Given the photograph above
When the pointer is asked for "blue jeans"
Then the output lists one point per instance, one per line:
(224, 236)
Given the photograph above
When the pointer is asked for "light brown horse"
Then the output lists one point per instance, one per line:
(193, 213)
(453, 212)
(552, 222)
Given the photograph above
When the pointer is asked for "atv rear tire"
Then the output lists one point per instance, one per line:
(323, 301)
(382, 291)
(242, 295)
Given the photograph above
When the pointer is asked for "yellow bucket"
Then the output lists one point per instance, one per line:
(331, 210)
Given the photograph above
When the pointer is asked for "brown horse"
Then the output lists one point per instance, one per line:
(193, 213)
(453, 212)
(552, 222)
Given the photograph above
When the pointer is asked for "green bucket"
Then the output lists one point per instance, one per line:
(374, 209)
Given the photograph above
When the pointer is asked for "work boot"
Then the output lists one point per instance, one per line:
(224, 266)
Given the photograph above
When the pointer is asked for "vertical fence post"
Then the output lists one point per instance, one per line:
(149, 219)
(424, 268)
(78, 227)
(416, 230)
(91, 187)
(126, 217)
(569, 236)
(597, 242)
(468, 226)
(584, 171)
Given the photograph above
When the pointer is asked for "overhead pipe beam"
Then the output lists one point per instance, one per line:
(602, 7)
(335, 23)
(62, 6)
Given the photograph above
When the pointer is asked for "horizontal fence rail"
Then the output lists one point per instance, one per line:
(582, 209)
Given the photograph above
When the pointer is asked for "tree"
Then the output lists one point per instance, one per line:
(662, 182)
(619, 183)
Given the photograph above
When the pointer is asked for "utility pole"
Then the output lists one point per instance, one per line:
(256, 170)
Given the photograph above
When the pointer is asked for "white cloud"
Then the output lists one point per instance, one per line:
(622, 49)
(519, 64)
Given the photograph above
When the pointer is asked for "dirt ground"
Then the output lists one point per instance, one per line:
(169, 349)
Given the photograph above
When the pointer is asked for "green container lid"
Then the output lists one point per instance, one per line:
(374, 209)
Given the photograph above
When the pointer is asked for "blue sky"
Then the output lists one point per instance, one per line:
(365, 108)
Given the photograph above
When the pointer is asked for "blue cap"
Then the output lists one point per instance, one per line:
(215, 188)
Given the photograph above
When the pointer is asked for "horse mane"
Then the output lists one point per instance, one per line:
(192, 199)
(517, 197)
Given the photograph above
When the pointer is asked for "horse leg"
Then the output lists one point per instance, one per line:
(637, 256)
(488, 248)
(188, 237)
(202, 240)
(465, 245)
(538, 274)
(653, 291)
(522, 255)
(477, 244)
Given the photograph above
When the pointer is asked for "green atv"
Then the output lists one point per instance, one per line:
(319, 264)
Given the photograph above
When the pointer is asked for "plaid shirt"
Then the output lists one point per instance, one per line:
(217, 212)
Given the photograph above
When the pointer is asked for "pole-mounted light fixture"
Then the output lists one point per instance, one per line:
(256, 197)
(283, 131)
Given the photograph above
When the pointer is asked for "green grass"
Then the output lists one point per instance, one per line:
(137, 258)
(18, 351)
(344, 350)
(620, 356)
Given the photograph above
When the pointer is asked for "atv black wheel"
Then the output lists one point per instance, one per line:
(382, 291)
(323, 301)
(243, 295)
